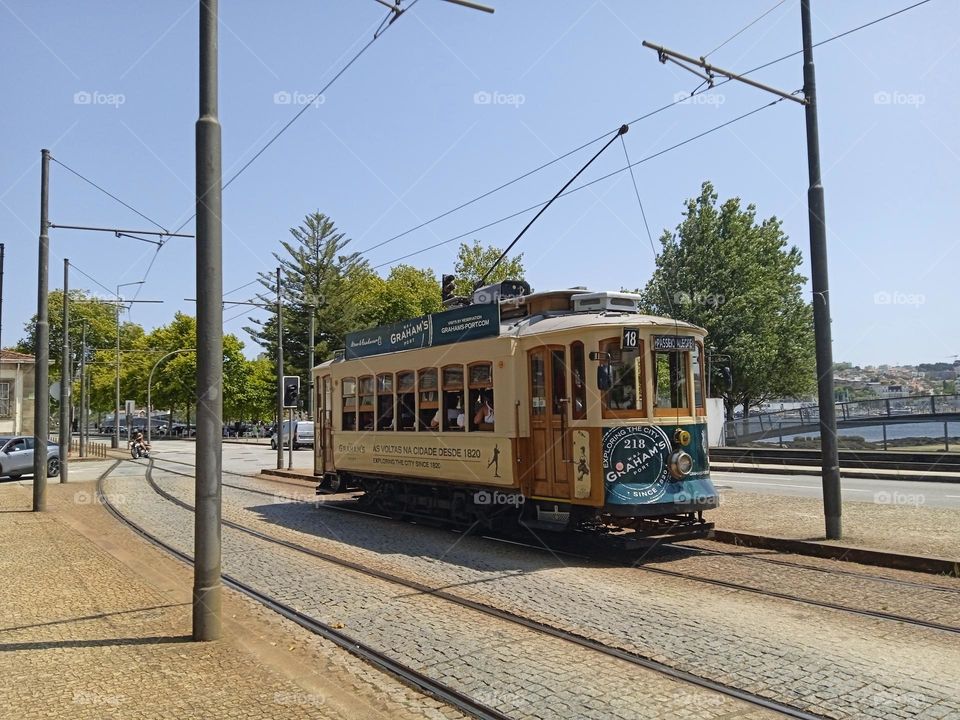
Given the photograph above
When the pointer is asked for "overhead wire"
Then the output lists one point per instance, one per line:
(108, 193)
(646, 115)
(584, 185)
(745, 28)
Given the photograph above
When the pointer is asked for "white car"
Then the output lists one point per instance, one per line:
(302, 434)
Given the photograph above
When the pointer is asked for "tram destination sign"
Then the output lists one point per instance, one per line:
(673, 343)
(467, 323)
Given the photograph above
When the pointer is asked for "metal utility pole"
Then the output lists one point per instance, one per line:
(115, 442)
(3, 252)
(207, 552)
(819, 279)
(64, 435)
(313, 320)
(279, 374)
(83, 393)
(41, 401)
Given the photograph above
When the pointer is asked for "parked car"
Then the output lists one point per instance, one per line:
(16, 456)
(302, 434)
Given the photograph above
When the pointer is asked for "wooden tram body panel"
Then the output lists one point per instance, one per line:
(547, 441)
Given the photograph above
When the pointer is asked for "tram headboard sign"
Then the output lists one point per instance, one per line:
(464, 323)
(673, 343)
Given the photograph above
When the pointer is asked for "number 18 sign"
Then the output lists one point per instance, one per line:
(631, 338)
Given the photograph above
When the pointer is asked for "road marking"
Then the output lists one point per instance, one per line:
(952, 496)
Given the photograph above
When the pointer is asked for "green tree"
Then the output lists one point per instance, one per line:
(474, 260)
(314, 268)
(724, 271)
(407, 292)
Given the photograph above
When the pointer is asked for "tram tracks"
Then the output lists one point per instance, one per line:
(737, 586)
(581, 641)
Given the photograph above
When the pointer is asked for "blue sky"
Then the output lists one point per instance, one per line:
(450, 103)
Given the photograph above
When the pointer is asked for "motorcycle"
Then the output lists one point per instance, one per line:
(139, 449)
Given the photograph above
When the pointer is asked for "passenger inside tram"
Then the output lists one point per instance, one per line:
(484, 414)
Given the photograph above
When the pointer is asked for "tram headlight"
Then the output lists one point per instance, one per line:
(681, 437)
(680, 464)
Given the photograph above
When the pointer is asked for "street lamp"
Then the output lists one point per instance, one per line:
(116, 414)
(150, 381)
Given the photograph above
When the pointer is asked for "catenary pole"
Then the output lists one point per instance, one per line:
(279, 374)
(313, 322)
(819, 278)
(83, 392)
(41, 404)
(64, 435)
(207, 551)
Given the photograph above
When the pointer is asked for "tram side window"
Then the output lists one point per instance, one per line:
(366, 406)
(349, 388)
(670, 381)
(453, 417)
(698, 390)
(429, 402)
(385, 401)
(406, 402)
(624, 397)
(480, 397)
(578, 388)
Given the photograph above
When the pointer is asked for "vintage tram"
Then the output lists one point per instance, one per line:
(565, 410)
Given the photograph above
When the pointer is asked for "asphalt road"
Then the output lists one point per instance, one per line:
(881, 492)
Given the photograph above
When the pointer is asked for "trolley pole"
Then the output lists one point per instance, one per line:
(41, 402)
(819, 279)
(830, 460)
(207, 551)
(64, 436)
(279, 374)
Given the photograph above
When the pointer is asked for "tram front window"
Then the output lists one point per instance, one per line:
(624, 394)
(670, 380)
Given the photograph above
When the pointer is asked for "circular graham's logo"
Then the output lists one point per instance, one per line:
(636, 455)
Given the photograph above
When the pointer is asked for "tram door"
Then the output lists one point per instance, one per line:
(550, 462)
(324, 425)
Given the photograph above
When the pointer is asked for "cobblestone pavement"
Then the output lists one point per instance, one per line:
(828, 661)
(907, 526)
(84, 633)
(517, 671)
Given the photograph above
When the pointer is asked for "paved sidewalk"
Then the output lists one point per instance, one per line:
(905, 525)
(95, 623)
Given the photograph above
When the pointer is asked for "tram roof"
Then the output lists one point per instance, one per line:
(560, 321)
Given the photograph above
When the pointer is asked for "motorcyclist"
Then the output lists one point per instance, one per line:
(138, 439)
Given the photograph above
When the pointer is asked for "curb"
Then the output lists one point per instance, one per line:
(305, 476)
(849, 553)
(857, 473)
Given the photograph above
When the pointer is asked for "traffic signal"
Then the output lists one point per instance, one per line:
(291, 390)
(446, 287)
(727, 377)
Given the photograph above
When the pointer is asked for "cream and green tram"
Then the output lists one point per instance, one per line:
(567, 409)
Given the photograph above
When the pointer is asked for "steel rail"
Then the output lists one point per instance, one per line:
(543, 628)
(406, 674)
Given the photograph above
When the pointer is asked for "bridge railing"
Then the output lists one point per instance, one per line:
(772, 424)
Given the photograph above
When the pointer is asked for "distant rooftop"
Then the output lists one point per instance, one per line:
(14, 356)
